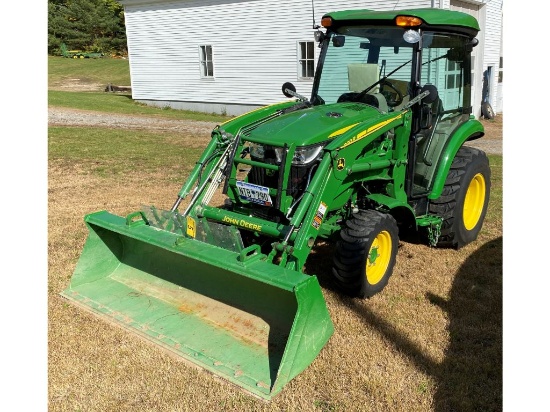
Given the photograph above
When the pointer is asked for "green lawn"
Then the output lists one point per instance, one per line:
(104, 71)
(117, 152)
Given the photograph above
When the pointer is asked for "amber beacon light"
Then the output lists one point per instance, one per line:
(326, 21)
(408, 21)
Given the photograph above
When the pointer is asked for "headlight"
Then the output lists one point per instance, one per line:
(302, 155)
(306, 154)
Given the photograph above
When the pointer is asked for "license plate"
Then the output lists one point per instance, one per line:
(254, 193)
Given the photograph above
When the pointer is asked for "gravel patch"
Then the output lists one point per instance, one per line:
(70, 117)
(489, 146)
(491, 143)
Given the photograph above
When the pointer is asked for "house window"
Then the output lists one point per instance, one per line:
(500, 73)
(207, 65)
(306, 61)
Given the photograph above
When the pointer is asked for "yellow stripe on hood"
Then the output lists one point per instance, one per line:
(370, 130)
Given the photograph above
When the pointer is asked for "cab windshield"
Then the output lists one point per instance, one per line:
(357, 58)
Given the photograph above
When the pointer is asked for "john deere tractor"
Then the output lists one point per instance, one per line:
(376, 151)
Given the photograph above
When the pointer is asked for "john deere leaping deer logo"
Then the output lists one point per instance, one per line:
(340, 163)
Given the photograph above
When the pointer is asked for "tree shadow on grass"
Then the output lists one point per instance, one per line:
(470, 377)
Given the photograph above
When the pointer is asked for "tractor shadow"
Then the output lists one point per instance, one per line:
(470, 376)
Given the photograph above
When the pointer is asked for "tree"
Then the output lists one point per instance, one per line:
(90, 25)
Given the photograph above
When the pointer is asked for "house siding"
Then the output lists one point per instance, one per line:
(492, 48)
(254, 46)
(488, 52)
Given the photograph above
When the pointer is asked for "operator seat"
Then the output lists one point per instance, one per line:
(361, 76)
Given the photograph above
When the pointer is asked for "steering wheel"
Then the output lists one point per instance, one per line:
(352, 97)
(394, 97)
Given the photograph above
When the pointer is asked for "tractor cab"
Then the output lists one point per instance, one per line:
(385, 61)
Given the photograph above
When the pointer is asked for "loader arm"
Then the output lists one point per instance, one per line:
(344, 167)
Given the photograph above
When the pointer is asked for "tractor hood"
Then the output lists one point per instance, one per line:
(313, 125)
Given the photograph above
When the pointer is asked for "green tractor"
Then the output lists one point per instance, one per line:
(79, 54)
(376, 152)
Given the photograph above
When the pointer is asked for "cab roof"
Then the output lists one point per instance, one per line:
(432, 19)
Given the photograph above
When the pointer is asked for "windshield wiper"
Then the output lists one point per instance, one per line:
(372, 86)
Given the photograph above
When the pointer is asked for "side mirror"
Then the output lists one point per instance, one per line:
(433, 96)
(290, 91)
(287, 86)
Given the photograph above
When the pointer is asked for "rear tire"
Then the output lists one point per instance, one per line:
(487, 111)
(463, 203)
(365, 254)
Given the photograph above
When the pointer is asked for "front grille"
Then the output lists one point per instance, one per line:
(265, 177)
(269, 178)
(298, 180)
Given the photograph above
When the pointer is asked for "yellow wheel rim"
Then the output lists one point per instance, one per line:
(379, 257)
(474, 201)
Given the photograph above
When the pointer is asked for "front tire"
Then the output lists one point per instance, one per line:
(463, 203)
(365, 254)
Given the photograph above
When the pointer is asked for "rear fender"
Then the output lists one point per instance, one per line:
(470, 130)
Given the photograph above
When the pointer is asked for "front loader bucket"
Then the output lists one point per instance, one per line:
(253, 323)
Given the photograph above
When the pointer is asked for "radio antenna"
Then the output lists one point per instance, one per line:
(313, 14)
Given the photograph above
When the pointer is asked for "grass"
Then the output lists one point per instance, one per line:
(102, 71)
(494, 213)
(432, 341)
(116, 153)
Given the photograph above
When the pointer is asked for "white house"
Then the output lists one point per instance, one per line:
(231, 56)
